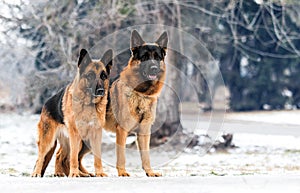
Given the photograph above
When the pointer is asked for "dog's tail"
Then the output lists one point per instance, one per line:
(48, 158)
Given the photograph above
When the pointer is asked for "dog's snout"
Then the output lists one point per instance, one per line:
(154, 69)
(99, 92)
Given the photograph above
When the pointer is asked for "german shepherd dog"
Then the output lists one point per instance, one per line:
(133, 98)
(76, 114)
(132, 101)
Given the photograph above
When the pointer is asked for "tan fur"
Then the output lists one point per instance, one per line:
(84, 117)
(131, 110)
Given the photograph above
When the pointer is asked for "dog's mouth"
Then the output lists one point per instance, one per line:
(150, 70)
(150, 76)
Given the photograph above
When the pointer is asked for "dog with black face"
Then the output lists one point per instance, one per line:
(133, 98)
(76, 114)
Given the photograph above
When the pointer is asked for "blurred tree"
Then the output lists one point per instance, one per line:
(57, 30)
(256, 44)
(264, 47)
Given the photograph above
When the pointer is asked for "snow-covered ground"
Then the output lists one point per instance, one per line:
(275, 117)
(261, 161)
(238, 184)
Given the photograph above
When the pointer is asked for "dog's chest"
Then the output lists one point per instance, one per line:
(87, 128)
(141, 108)
(88, 120)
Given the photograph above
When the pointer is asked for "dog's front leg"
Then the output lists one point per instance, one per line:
(75, 145)
(143, 140)
(121, 135)
(96, 149)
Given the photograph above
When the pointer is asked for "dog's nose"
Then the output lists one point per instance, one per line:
(154, 69)
(99, 92)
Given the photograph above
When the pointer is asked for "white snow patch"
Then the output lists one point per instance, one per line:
(275, 117)
(256, 154)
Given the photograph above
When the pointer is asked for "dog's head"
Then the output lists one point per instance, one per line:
(148, 58)
(93, 74)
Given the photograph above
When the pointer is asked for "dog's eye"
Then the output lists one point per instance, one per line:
(103, 76)
(145, 57)
(156, 56)
(90, 76)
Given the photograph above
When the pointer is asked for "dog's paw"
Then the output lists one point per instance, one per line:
(153, 174)
(83, 174)
(74, 175)
(102, 174)
(36, 175)
(123, 173)
(59, 174)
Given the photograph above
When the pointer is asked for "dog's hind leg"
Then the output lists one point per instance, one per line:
(46, 144)
(84, 150)
(48, 158)
(62, 162)
(62, 167)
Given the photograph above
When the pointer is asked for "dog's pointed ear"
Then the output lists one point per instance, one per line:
(84, 60)
(107, 60)
(162, 41)
(136, 40)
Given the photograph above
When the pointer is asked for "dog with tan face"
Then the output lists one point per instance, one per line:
(75, 117)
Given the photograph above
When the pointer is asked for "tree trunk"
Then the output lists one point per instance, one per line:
(168, 118)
